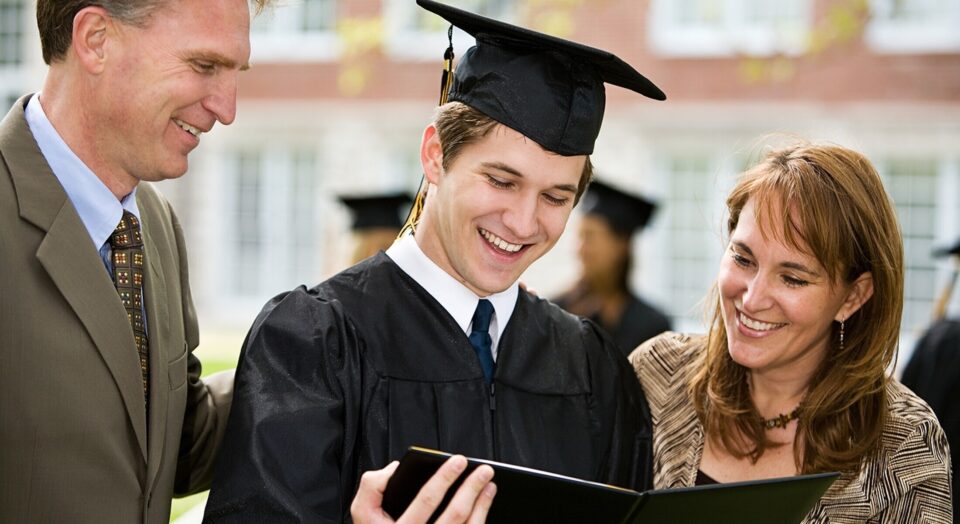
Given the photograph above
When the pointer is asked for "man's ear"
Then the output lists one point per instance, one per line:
(860, 292)
(431, 154)
(90, 30)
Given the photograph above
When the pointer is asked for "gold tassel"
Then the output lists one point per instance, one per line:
(413, 217)
(446, 80)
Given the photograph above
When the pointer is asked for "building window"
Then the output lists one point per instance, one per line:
(12, 75)
(912, 184)
(914, 26)
(301, 30)
(270, 227)
(687, 239)
(11, 33)
(724, 28)
(415, 33)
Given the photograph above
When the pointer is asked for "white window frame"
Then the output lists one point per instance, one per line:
(939, 33)
(276, 173)
(276, 36)
(13, 77)
(657, 256)
(733, 35)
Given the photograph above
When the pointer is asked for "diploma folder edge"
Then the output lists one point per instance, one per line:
(602, 502)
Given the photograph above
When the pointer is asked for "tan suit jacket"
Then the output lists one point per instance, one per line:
(75, 442)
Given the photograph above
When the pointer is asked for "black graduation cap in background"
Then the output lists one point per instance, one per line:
(947, 251)
(548, 89)
(377, 211)
(624, 212)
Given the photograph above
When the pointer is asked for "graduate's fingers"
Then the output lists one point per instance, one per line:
(470, 499)
(482, 507)
(366, 505)
(432, 493)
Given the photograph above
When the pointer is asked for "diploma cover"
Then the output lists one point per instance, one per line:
(529, 495)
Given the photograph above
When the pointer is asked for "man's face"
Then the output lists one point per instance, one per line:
(501, 205)
(169, 82)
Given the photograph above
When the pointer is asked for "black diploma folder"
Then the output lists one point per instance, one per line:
(529, 495)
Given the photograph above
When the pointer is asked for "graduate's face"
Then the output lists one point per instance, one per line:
(169, 82)
(501, 205)
(779, 302)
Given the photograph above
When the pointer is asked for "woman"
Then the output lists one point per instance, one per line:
(611, 218)
(791, 379)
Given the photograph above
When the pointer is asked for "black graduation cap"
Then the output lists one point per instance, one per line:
(948, 251)
(548, 89)
(624, 212)
(374, 211)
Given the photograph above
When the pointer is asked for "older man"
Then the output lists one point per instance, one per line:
(103, 416)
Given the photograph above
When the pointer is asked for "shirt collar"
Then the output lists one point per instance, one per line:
(456, 298)
(99, 209)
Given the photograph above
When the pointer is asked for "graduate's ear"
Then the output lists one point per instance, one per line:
(431, 154)
(91, 29)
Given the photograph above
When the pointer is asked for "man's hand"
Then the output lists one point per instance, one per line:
(470, 503)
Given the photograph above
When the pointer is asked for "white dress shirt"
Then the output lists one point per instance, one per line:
(456, 298)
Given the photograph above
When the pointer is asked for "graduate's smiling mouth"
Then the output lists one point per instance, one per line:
(500, 245)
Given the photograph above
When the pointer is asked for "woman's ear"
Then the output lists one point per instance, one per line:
(91, 26)
(431, 154)
(859, 293)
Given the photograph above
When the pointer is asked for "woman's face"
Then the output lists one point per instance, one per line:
(602, 251)
(778, 303)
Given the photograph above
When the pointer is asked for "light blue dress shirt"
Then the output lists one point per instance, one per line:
(99, 209)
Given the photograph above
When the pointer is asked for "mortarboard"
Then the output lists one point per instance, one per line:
(947, 251)
(548, 89)
(376, 211)
(624, 212)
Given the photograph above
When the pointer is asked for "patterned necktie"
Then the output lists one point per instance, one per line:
(480, 338)
(127, 249)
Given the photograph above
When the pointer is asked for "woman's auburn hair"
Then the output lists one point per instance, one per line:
(833, 206)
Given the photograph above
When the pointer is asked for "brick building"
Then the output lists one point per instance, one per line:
(340, 91)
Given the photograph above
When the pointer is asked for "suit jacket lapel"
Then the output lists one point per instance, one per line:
(71, 260)
(158, 336)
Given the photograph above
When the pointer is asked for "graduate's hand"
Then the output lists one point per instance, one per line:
(470, 503)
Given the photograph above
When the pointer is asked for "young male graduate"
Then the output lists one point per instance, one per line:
(433, 343)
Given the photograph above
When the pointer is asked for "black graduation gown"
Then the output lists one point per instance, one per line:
(933, 373)
(638, 323)
(342, 378)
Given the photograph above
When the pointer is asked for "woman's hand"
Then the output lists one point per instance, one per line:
(470, 503)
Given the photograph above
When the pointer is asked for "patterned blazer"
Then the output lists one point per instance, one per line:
(909, 482)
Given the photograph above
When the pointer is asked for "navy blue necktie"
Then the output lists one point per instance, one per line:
(480, 337)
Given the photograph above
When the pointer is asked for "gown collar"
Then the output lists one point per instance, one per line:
(456, 298)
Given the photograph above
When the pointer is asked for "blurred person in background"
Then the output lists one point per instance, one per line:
(376, 222)
(792, 376)
(934, 368)
(433, 343)
(611, 218)
(103, 416)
